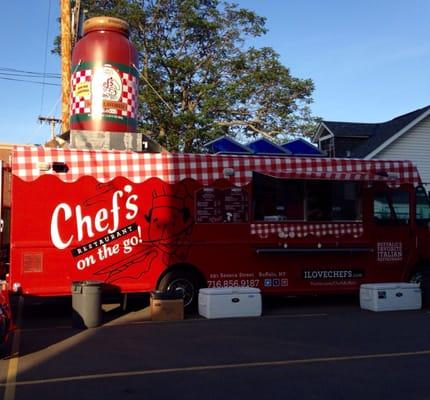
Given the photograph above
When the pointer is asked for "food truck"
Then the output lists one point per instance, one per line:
(140, 221)
(107, 209)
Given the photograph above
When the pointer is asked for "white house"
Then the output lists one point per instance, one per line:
(406, 137)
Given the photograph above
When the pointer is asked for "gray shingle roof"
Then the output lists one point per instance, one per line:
(376, 134)
(350, 129)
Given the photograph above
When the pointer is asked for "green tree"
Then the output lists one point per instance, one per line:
(199, 81)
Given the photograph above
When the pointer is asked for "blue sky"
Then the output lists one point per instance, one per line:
(369, 60)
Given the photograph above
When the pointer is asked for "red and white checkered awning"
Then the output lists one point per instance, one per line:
(29, 163)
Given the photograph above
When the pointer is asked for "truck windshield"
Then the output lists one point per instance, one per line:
(422, 206)
(391, 207)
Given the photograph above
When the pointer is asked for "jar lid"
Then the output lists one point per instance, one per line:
(106, 23)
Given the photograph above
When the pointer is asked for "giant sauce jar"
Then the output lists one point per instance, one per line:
(104, 78)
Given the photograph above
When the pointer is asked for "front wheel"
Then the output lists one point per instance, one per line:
(185, 282)
(423, 278)
(425, 287)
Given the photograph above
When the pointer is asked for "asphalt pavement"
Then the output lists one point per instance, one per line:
(300, 348)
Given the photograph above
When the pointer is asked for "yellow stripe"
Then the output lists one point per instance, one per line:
(219, 366)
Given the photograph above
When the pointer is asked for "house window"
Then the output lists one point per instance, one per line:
(327, 146)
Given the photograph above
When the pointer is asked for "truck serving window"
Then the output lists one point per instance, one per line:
(280, 199)
(333, 201)
(422, 206)
(391, 207)
(277, 199)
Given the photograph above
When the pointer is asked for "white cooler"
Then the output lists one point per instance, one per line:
(390, 296)
(229, 302)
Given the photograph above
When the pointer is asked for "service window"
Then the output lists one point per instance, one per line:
(422, 206)
(391, 207)
(277, 199)
(333, 201)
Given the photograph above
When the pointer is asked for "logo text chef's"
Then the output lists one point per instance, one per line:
(96, 228)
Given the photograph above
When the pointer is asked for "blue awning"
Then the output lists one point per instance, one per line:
(300, 147)
(266, 147)
(226, 145)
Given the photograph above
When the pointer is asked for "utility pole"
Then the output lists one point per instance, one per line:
(66, 52)
(51, 121)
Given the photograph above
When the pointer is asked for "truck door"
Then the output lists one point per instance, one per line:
(392, 233)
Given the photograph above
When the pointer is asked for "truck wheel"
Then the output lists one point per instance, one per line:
(183, 281)
(425, 287)
(416, 277)
(423, 278)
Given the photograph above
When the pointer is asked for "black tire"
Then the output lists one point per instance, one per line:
(185, 281)
(423, 278)
(425, 288)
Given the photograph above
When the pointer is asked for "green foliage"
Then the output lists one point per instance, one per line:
(198, 81)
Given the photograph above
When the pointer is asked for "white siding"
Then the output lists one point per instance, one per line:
(413, 145)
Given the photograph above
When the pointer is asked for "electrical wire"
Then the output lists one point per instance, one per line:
(23, 72)
(28, 81)
(26, 75)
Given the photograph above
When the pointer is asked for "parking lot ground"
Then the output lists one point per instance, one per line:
(301, 348)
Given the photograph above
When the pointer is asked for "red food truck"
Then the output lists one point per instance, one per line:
(140, 222)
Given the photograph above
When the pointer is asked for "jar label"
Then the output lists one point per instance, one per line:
(106, 92)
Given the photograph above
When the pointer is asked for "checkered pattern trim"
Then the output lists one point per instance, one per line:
(300, 230)
(82, 104)
(105, 165)
(129, 95)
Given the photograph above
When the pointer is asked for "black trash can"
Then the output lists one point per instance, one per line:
(86, 304)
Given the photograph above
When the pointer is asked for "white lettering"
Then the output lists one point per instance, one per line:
(115, 210)
(55, 234)
(131, 207)
(101, 216)
(85, 262)
(104, 220)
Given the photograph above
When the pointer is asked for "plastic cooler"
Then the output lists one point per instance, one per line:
(390, 296)
(229, 302)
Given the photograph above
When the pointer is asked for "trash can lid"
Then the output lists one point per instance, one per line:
(172, 295)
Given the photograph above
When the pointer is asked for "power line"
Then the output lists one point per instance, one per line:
(30, 72)
(28, 81)
(27, 75)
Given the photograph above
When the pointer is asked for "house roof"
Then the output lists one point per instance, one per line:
(375, 133)
(350, 129)
(387, 130)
